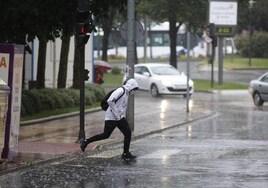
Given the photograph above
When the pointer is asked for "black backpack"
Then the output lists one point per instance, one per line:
(104, 105)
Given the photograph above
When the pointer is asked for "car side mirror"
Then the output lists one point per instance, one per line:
(146, 74)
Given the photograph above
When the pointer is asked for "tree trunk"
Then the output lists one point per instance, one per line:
(107, 28)
(173, 42)
(62, 74)
(41, 63)
(105, 42)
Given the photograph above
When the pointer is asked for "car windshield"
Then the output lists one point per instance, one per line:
(164, 70)
(265, 78)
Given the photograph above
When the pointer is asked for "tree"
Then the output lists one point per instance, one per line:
(259, 15)
(176, 12)
(46, 28)
(107, 23)
(66, 15)
(100, 9)
(15, 21)
(63, 64)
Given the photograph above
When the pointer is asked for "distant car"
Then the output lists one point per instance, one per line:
(160, 79)
(258, 89)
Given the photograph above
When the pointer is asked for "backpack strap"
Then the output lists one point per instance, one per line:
(120, 95)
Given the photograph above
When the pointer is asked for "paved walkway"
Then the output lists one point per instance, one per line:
(56, 137)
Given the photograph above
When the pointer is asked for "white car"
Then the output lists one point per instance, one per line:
(162, 79)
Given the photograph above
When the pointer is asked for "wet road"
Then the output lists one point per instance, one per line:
(228, 149)
(199, 70)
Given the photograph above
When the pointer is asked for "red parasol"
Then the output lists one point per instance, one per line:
(102, 65)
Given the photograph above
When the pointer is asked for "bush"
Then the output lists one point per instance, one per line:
(113, 56)
(259, 45)
(116, 70)
(97, 91)
(38, 100)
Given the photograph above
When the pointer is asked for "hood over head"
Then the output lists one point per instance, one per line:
(131, 84)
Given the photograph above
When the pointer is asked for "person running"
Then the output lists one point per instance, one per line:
(115, 117)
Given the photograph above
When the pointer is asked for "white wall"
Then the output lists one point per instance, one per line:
(51, 73)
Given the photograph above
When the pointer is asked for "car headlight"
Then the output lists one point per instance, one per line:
(191, 83)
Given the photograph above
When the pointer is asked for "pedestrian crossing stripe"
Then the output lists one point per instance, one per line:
(160, 154)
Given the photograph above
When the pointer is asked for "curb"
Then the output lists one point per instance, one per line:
(23, 167)
(61, 116)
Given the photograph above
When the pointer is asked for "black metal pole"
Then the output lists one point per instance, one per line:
(188, 71)
(212, 64)
(220, 55)
(82, 92)
(212, 72)
(250, 38)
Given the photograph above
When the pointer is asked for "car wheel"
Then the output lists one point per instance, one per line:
(154, 91)
(257, 99)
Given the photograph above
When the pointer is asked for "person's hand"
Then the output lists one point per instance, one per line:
(123, 119)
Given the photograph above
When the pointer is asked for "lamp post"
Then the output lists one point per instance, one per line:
(250, 28)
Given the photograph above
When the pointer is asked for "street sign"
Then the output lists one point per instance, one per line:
(182, 38)
(138, 30)
(224, 15)
(223, 12)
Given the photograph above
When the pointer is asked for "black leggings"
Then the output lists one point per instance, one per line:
(109, 127)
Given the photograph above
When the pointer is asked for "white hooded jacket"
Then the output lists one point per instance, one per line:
(117, 110)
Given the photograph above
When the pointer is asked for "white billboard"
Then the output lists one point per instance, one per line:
(223, 12)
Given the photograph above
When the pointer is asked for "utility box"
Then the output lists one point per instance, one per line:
(11, 66)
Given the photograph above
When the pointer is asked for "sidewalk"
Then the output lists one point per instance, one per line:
(53, 138)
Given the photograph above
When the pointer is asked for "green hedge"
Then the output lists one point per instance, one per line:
(38, 100)
(259, 44)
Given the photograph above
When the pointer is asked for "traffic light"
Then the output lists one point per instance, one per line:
(211, 28)
(86, 76)
(80, 29)
(84, 22)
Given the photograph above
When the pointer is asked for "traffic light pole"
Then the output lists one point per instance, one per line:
(84, 25)
(81, 50)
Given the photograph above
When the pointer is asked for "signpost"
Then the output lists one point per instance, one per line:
(223, 14)
(131, 30)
